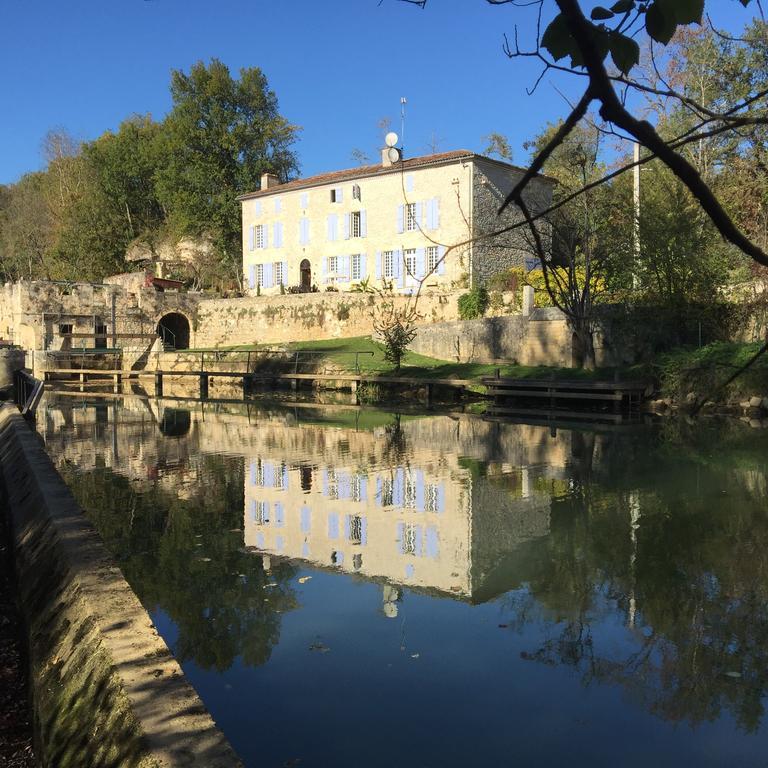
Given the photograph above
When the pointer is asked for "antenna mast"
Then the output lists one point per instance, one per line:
(403, 102)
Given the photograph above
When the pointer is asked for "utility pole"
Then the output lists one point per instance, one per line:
(636, 224)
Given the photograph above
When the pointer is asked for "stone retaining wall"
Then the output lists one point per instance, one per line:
(106, 690)
(303, 317)
(543, 338)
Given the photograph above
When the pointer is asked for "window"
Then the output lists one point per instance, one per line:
(409, 259)
(354, 224)
(410, 217)
(261, 513)
(356, 271)
(304, 200)
(409, 540)
(409, 492)
(388, 264)
(356, 529)
(260, 236)
(333, 264)
(336, 195)
(356, 492)
(278, 205)
(65, 328)
(277, 271)
(260, 275)
(432, 257)
(356, 192)
(281, 477)
(333, 485)
(431, 498)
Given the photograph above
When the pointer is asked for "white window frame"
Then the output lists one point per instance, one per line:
(411, 224)
(432, 256)
(259, 234)
(260, 275)
(355, 224)
(333, 265)
(409, 264)
(355, 267)
(388, 264)
(277, 273)
(431, 498)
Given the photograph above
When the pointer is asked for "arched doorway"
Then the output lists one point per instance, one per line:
(176, 422)
(173, 329)
(305, 270)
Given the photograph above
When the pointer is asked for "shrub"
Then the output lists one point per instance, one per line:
(473, 304)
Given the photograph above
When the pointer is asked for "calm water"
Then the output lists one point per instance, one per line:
(352, 588)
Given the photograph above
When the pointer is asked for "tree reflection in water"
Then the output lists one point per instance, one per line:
(695, 572)
(222, 600)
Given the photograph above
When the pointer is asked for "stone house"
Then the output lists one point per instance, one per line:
(427, 219)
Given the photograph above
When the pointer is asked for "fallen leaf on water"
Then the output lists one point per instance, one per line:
(414, 655)
(733, 674)
(304, 579)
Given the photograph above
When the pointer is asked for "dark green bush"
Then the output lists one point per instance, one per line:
(473, 304)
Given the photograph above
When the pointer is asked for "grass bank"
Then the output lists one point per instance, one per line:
(369, 354)
(703, 371)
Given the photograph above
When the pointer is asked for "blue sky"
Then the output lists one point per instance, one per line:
(337, 67)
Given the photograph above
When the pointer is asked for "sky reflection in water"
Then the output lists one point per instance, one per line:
(356, 588)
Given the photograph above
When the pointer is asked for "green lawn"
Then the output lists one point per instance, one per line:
(341, 353)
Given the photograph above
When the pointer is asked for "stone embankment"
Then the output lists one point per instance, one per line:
(105, 688)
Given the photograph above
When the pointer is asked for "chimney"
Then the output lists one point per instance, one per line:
(390, 156)
(269, 180)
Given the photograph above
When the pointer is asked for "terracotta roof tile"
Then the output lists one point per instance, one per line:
(374, 170)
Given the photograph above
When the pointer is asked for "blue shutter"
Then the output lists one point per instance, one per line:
(339, 194)
(378, 265)
(304, 200)
(347, 527)
(325, 482)
(268, 275)
(441, 260)
(278, 205)
(332, 226)
(253, 473)
(409, 182)
(433, 542)
(421, 264)
(269, 474)
(419, 490)
(266, 235)
(436, 213)
(419, 212)
(409, 571)
(418, 540)
(441, 498)
(429, 214)
(266, 512)
(396, 266)
(252, 276)
(401, 538)
(276, 234)
(306, 519)
(279, 515)
(253, 510)
(260, 540)
(333, 525)
(346, 265)
(339, 558)
(285, 282)
(400, 219)
(363, 488)
(257, 207)
(363, 267)
(346, 226)
(305, 549)
(363, 224)
(301, 231)
(279, 543)
(363, 531)
(398, 487)
(379, 498)
(325, 266)
(400, 267)
(251, 238)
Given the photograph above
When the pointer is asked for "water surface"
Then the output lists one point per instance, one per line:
(349, 588)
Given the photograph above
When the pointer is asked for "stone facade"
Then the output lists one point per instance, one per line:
(403, 223)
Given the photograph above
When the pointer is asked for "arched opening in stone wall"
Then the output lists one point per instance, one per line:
(173, 329)
(176, 422)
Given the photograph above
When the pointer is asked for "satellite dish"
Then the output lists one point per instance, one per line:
(391, 139)
(393, 154)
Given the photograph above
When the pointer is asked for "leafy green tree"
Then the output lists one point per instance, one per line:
(218, 139)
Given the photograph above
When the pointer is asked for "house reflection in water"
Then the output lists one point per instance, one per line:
(419, 523)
